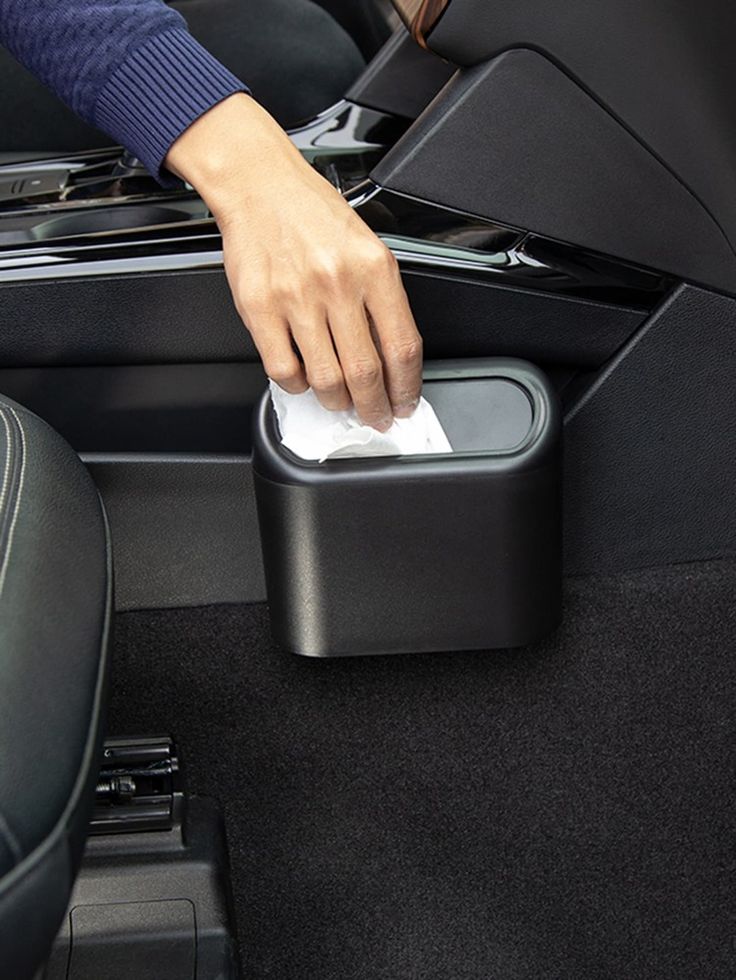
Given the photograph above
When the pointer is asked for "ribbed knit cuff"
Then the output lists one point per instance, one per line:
(158, 92)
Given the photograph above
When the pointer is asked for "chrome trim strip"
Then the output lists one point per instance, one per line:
(182, 262)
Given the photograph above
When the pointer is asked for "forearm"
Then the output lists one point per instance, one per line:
(129, 67)
(234, 155)
(306, 273)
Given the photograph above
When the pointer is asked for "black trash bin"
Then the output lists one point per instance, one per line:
(402, 554)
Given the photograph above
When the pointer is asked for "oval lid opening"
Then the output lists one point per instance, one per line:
(481, 414)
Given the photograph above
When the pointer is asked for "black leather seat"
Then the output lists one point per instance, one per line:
(55, 609)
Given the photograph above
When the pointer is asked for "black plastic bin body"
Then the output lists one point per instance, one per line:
(421, 553)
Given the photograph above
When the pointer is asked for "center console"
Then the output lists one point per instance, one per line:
(527, 222)
(104, 192)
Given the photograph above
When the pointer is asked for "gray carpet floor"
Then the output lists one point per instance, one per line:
(564, 812)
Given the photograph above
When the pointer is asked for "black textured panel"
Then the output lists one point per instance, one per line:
(650, 453)
(664, 67)
(459, 317)
(124, 319)
(188, 317)
(143, 408)
(184, 529)
(516, 140)
(402, 79)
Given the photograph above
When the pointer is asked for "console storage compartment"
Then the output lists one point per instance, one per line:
(421, 553)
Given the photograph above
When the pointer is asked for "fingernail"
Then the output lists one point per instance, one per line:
(406, 410)
(384, 425)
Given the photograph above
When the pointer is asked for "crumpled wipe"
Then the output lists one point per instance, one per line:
(313, 432)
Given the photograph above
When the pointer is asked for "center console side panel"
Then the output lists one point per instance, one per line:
(188, 317)
(650, 464)
(665, 68)
(518, 141)
(402, 79)
(155, 318)
(184, 529)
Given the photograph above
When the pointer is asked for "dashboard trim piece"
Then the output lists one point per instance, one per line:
(422, 235)
(421, 16)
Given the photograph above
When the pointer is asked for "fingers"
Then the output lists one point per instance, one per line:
(361, 364)
(399, 339)
(348, 315)
(323, 370)
(272, 338)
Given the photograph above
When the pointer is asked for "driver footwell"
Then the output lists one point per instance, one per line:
(563, 811)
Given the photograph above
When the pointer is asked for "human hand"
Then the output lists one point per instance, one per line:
(304, 269)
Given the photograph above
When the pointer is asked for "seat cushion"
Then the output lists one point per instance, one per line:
(55, 608)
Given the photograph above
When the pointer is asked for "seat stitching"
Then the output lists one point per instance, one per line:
(10, 839)
(8, 460)
(5, 830)
(19, 495)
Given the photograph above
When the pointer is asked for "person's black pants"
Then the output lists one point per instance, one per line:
(294, 56)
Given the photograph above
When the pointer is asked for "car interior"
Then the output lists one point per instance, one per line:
(457, 716)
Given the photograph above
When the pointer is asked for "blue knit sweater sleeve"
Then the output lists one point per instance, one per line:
(129, 67)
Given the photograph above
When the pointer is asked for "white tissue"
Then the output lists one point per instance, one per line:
(313, 432)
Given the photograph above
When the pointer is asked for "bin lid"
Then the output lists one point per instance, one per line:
(481, 414)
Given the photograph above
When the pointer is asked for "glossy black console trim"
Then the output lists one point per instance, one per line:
(421, 235)
(424, 234)
(345, 141)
